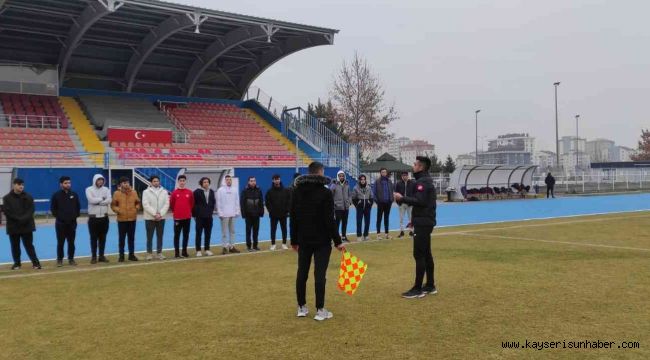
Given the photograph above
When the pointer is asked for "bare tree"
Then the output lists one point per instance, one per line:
(359, 99)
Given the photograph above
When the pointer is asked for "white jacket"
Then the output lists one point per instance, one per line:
(228, 202)
(99, 198)
(155, 201)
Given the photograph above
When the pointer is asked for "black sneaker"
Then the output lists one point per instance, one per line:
(345, 239)
(233, 250)
(256, 249)
(401, 234)
(224, 251)
(37, 266)
(411, 233)
(429, 289)
(121, 258)
(59, 263)
(249, 249)
(185, 254)
(15, 267)
(133, 258)
(93, 260)
(413, 294)
(71, 262)
(102, 259)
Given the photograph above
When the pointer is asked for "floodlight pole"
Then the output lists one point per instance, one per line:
(577, 146)
(476, 143)
(557, 133)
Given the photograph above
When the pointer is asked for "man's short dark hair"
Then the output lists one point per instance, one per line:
(404, 173)
(203, 179)
(361, 177)
(124, 179)
(18, 181)
(228, 176)
(382, 169)
(154, 177)
(251, 177)
(63, 179)
(425, 161)
(276, 176)
(315, 167)
(296, 175)
(181, 177)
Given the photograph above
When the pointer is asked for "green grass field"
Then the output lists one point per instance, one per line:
(576, 279)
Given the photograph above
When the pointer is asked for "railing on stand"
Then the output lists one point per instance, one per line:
(32, 121)
(166, 181)
(598, 181)
(181, 134)
(334, 151)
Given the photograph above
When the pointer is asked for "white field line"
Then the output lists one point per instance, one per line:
(83, 268)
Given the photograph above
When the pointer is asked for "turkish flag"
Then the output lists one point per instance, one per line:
(139, 135)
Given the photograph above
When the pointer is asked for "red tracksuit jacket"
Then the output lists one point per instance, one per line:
(181, 204)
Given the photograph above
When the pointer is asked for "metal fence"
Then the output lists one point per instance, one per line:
(31, 121)
(598, 182)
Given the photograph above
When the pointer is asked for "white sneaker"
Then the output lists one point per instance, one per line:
(272, 248)
(323, 314)
(199, 254)
(387, 237)
(365, 238)
(302, 311)
(149, 257)
(161, 257)
(284, 247)
(208, 253)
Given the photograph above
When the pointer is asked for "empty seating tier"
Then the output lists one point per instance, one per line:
(37, 147)
(33, 111)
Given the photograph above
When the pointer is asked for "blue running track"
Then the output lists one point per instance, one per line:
(448, 215)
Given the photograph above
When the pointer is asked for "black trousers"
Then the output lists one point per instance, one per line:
(97, 228)
(321, 255)
(363, 216)
(274, 228)
(203, 225)
(342, 217)
(184, 227)
(422, 255)
(65, 231)
(383, 209)
(126, 229)
(158, 227)
(252, 230)
(550, 191)
(28, 243)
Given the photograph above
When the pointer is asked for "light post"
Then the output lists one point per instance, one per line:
(577, 146)
(557, 133)
(476, 144)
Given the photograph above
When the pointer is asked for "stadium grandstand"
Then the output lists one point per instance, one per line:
(151, 87)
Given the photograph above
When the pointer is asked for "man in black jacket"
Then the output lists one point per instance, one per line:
(424, 219)
(252, 209)
(278, 199)
(312, 231)
(550, 185)
(65, 208)
(19, 210)
(204, 204)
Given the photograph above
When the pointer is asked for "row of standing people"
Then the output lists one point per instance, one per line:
(364, 196)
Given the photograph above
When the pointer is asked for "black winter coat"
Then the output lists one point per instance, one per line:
(312, 213)
(406, 189)
(65, 206)
(202, 208)
(278, 201)
(252, 203)
(423, 200)
(19, 211)
(550, 181)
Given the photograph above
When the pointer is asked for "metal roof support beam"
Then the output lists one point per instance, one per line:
(218, 48)
(166, 29)
(270, 57)
(91, 14)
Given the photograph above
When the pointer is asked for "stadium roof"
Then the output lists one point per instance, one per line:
(149, 46)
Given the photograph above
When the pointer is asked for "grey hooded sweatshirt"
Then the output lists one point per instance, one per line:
(99, 198)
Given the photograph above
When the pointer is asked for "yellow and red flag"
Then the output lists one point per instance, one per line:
(351, 273)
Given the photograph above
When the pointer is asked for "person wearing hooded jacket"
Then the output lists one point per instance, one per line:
(155, 204)
(278, 200)
(252, 209)
(342, 201)
(313, 229)
(362, 198)
(99, 199)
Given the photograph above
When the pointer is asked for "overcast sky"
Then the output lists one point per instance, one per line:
(441, 60)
